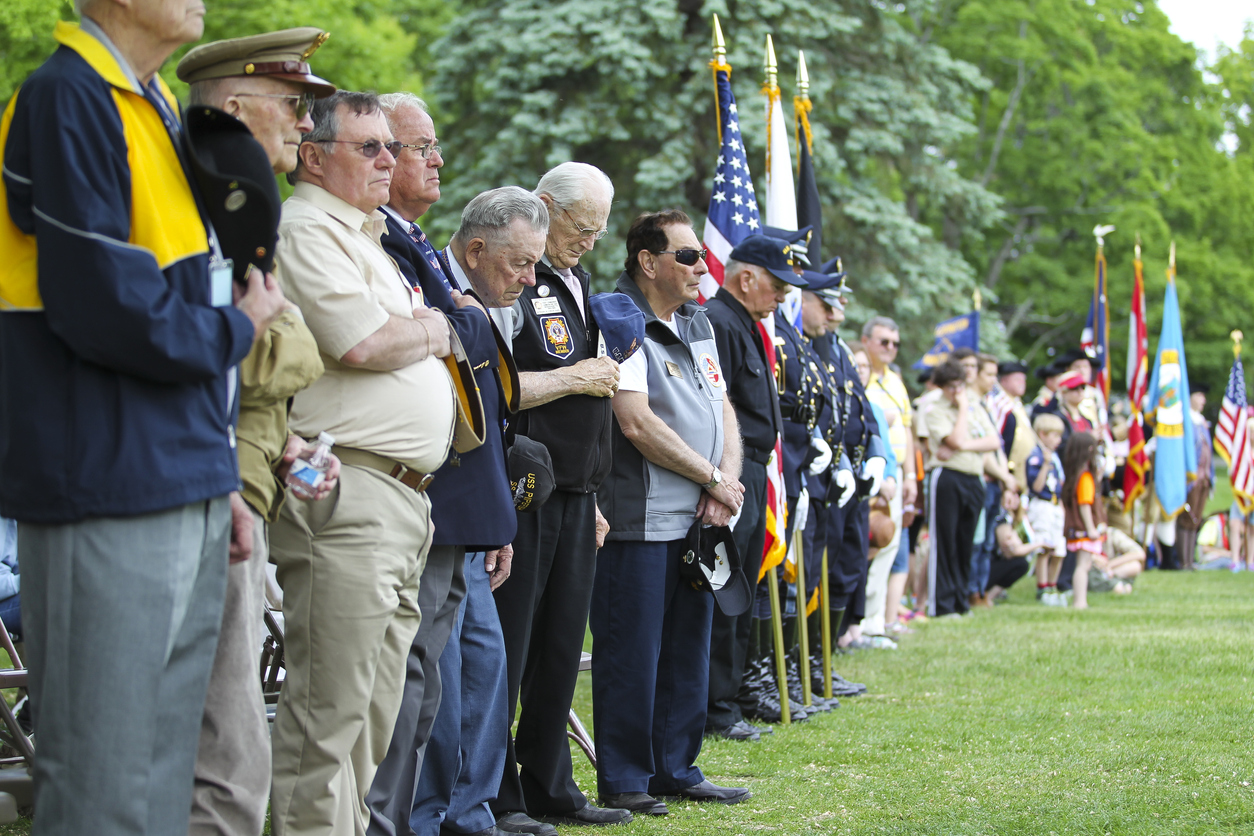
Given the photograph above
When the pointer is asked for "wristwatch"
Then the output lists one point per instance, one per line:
(715, 480)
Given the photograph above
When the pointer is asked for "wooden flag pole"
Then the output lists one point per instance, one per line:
(803, 636)
(772, 581)
(825, 618)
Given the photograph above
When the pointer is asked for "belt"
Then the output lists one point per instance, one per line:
(1053, 500)
(755, 455)
(363, 458)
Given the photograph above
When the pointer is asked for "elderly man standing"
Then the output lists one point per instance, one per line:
(881, 340)
(233, 760)
(476, 477)
(493, 254)
(118, 433)
(350, 568)
(676, 459)
(565, 406)
(756, 280)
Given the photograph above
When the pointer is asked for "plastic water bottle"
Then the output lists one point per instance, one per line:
(307, 474)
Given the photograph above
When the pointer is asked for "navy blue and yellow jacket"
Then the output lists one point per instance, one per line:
(114, 380)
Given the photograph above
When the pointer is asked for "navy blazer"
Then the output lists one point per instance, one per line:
(476, 480)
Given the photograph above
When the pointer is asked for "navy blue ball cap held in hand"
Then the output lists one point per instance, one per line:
(775, 254)
(620, 325)
(710, 560)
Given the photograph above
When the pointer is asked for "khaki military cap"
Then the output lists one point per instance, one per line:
(284, 54)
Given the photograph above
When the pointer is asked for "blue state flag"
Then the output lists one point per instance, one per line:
(1167, 411)
(952, 334)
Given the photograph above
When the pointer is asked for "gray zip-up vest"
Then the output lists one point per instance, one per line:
(642, 500)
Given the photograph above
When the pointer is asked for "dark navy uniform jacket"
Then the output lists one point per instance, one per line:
(860, 438)
(471, 504)
(804, 402)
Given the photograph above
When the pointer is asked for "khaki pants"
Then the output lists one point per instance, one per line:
(349, 567)
(233, 761)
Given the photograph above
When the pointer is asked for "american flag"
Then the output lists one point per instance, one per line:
(1134, 475)
(733, 213)
(1232, 438)
(999, 406)
(732, 217)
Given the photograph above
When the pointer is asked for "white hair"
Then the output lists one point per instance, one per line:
(492, 212)
(389, 103)
(569, 183)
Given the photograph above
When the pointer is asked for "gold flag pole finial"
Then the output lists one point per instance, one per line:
(771, 66)
(1171, 259)
(720, 47)
(976, 299)
(803, 76)
(1138, 246)
(1237, 337)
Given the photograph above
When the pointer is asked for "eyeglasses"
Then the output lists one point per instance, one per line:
(686, 257)
(894, 344)
(300, 102)
(597, 234)
(370, 148)
(425, 150)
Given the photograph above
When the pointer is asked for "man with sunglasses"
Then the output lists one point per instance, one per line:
(350, 567)
(756, 280)
(566, 391)
(233, 761)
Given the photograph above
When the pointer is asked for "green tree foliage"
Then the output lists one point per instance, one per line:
(26, 38)
(524, 85)
(1098, 114)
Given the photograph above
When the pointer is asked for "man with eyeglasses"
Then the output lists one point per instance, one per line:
(676, 426)
(881, 340)
(350, 567)
(466, 546)
(566, 391)
(756, 280)
(265, 82)
(120, 331)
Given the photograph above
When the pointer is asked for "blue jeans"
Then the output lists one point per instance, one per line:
(466, 751)
(982, 553)
(11, 615)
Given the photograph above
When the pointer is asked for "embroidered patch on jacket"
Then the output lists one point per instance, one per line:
(557, 337)
(709, 367)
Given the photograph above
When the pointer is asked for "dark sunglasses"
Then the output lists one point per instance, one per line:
(686, 257)
(300, 102)
(891, 343)
(371, 147)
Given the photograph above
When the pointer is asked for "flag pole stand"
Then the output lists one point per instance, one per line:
(803, 634)
(777, 631)
(825, 618)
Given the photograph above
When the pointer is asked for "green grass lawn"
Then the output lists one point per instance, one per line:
(1130, 718)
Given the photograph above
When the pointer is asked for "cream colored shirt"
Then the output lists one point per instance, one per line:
(330, 263)
(940, 419)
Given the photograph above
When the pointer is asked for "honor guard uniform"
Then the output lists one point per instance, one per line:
(848, 525)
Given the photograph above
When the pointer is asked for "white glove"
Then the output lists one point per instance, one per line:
(824, 459)
(848, 486)
(873, 469)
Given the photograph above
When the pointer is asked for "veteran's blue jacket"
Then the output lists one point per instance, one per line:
(114, 387)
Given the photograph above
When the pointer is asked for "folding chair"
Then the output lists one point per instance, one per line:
(16, 785)
(272, 670)
(577, 732)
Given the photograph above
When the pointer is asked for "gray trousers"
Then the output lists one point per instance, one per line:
(232, 788)
(121, 619)
(391, 796)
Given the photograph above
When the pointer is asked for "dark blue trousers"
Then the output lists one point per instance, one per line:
(650, 669)
(848, 540)
(466, 751)
(982, 554)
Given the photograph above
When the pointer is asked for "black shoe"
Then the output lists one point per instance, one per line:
(740, 730)
(523, 823)
(591, 814)
(635, 802)
(705, 791)
(846, 685)
(491, 831)
(759, 729)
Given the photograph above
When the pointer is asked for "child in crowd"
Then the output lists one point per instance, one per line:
(1085, 521)
(1011, 562)
(1045, 513)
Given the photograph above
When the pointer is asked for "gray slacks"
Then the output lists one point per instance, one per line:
(121, 617)
(391, 796)
(232, 788)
